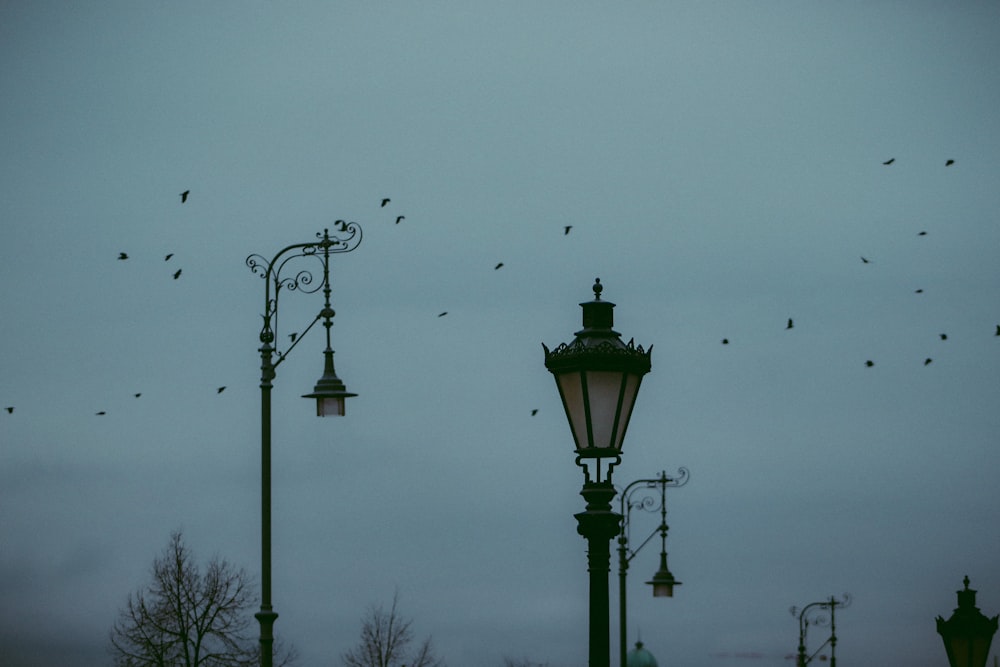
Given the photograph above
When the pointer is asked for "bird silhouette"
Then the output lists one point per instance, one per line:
(385, 201)
(443, 314)
(866, 260)
(927, 361)
(534, 412)
(498, 266)
(177, 274)
(100, 414)
(922, 234)
(184, 196)
(943, 336)
(789, 325)
(122, 255)
(400, 218)
(869, 363)
(220, 389)
(292, 336)
(918, 291)
(341, 226)
(10, 409)
(889, 161)
(138, 394)
(566, 229)
(725, 341)
(949, 163)
(167, 258)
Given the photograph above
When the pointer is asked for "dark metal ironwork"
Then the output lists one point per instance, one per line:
(967, 635)
(598, 378)
(302, 281)
(640, 495)
(819, 614)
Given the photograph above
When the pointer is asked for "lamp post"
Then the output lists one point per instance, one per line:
(329, 392)
(598, 378)
(813, 614)
(663, 581)
(967, 635)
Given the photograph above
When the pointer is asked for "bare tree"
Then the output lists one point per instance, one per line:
(386, 641)
(186, 617)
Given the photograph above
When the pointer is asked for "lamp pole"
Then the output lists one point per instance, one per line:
(598, 378)
(329, 391)
(663, 581)
(818, 617)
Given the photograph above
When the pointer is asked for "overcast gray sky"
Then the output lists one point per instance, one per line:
(721, 165)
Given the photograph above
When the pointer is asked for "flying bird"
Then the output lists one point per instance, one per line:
(889, 161)
(137, 395)
(922, 234)
(498, 266)
(927, 361)
(220, 389)
(790, 325)
(177, 274)
(122, 255)
(918, 291)
(443, 314)
(949, 163)
(100, 414)
(566, 229)
(184, 196)
(943, 336)
(866, 260)
(10, 409)
(725, 341)
(292, 336)
(869, 363)
(341, 226)
(167, 258)
(534, 412)
(385, 201)
(400, 218)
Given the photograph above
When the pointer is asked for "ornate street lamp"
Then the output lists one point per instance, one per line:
(663, 580)
(329, 392)
(967, 635)
(815, 614)
(598, 378)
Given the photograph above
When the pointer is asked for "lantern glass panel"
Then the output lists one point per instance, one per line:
(330, 406)
(630, 391)
(603, 389)
(571, 390)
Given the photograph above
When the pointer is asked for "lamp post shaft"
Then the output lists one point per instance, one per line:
(598, 524)
(266, 616)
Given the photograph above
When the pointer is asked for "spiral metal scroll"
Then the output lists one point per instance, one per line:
(273, 272)
(651, 494)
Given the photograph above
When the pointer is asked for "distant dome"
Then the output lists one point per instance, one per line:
(640, 657)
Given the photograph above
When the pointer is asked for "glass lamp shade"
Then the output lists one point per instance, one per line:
(598, 405)
(663, 581)
(330, 391)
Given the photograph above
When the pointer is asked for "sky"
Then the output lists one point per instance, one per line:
(721, 166)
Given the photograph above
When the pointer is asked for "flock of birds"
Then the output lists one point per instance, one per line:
(790, 324)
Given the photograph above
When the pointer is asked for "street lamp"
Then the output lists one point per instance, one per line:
(967, 635)
(663, 580)
(813, 613)
(598, 378)
(329, 392)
